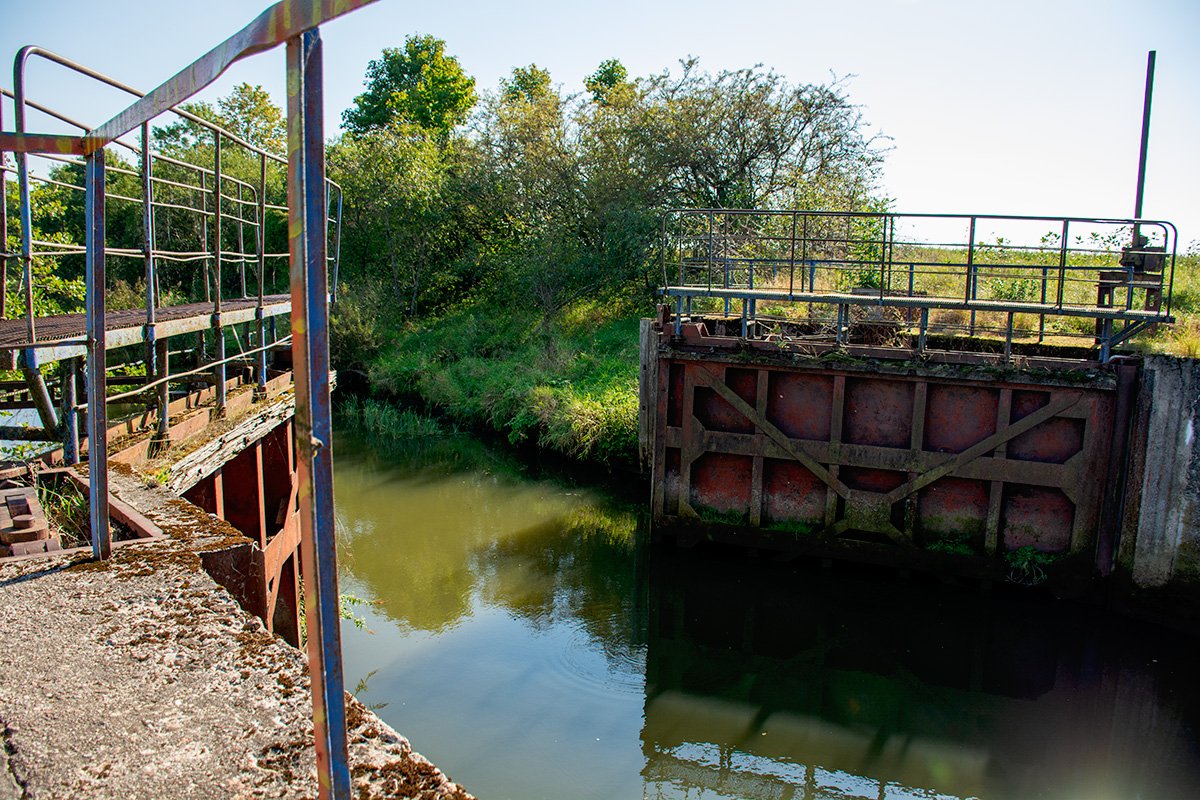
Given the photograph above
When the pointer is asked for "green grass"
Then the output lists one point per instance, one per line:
(574, 392)
(377, 418)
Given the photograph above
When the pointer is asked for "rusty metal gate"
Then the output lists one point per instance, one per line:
(957, 460)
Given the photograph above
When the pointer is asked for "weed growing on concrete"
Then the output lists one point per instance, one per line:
(1026, 565)
(67, 512)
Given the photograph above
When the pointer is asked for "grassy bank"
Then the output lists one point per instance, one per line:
(571, 389)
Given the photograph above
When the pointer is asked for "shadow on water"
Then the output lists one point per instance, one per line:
(765, 680)
(519, 632)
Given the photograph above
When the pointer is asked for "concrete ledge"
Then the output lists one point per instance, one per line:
(140, 677)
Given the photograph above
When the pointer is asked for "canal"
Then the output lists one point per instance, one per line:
(515, 626)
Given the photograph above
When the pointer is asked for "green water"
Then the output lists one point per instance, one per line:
(516, 629)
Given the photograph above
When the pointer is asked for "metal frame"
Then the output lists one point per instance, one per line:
(293, 22)
(753, 255)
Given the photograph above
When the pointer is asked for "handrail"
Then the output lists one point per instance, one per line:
(889, 258)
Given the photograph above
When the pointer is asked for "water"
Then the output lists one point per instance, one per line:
(514, 629)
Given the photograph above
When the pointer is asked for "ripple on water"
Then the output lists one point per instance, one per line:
(582, 664)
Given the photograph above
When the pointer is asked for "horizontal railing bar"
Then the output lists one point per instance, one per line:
(282, 21)
(203, 368)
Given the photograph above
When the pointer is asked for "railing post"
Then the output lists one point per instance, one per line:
(148, 253)
(218, 331)
(337, 249)
(313, 429)
(3, 229)
(70, 416)
(96, 353)
(971, 274)
(792, 262)
(260, 360)
(26, 207)
(164, 392)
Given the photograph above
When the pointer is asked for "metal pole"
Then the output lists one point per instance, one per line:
(96, 352)
(23, 189)
(241, 242)
(164, 390)
(3, 229)
(314, 428)
(261, 361)
(218, 331)
(1141, 178)
(337, 249)
(148, 252)
(70, 416)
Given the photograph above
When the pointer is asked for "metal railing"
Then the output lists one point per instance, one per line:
(294, 23)
(1011, 276)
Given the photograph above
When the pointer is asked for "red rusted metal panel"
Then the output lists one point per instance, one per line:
(949, 460)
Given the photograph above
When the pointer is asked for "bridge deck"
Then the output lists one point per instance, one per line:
(62, 336)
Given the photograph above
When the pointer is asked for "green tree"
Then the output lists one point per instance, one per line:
(608, 83)
(749, 139)
(418, 85)
(530, 84)
(249, 113)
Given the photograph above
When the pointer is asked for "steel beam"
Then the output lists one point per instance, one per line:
(280, 23)
(97, 352)
(314, 428)
(70, 416)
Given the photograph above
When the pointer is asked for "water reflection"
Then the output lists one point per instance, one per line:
(770, 681)
(531, 648)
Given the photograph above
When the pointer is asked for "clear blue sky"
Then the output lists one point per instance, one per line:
(1014, 107)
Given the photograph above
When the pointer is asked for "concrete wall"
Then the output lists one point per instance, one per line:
(1164, 501)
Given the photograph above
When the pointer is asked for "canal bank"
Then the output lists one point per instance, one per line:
(142, 677)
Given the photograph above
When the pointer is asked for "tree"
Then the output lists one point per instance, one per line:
(749, 139)
(249, 113)
(398, 214)
(418, 85)
(529, 84)
(608, 82)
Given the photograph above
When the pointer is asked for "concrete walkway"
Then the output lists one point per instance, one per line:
(142, 678)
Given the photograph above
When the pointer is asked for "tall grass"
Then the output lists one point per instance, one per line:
(574, 393)
(379, 418)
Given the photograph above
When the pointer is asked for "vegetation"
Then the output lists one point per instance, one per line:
(495, 263)
(498, 246)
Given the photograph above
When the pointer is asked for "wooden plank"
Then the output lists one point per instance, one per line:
(756, 470)
(991, 543)
(206, 459)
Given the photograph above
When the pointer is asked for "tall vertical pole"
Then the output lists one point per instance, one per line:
(3, 228)
(314, 428)
(96, 352)
(337, 248)
(70, 417)
(218, 331)
(260, 361)
(148, 256)
(1146, 100)
(163, 357)
(1147, 97)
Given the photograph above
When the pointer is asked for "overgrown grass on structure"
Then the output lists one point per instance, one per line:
(67, 512)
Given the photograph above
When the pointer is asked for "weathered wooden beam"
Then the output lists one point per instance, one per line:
(208, 458)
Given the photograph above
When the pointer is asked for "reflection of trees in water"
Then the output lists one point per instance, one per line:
(428, 525)
(580, 568)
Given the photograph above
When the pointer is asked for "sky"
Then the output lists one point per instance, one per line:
(1014, 107)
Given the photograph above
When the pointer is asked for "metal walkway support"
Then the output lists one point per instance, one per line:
(290, 22)
(314, 421)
